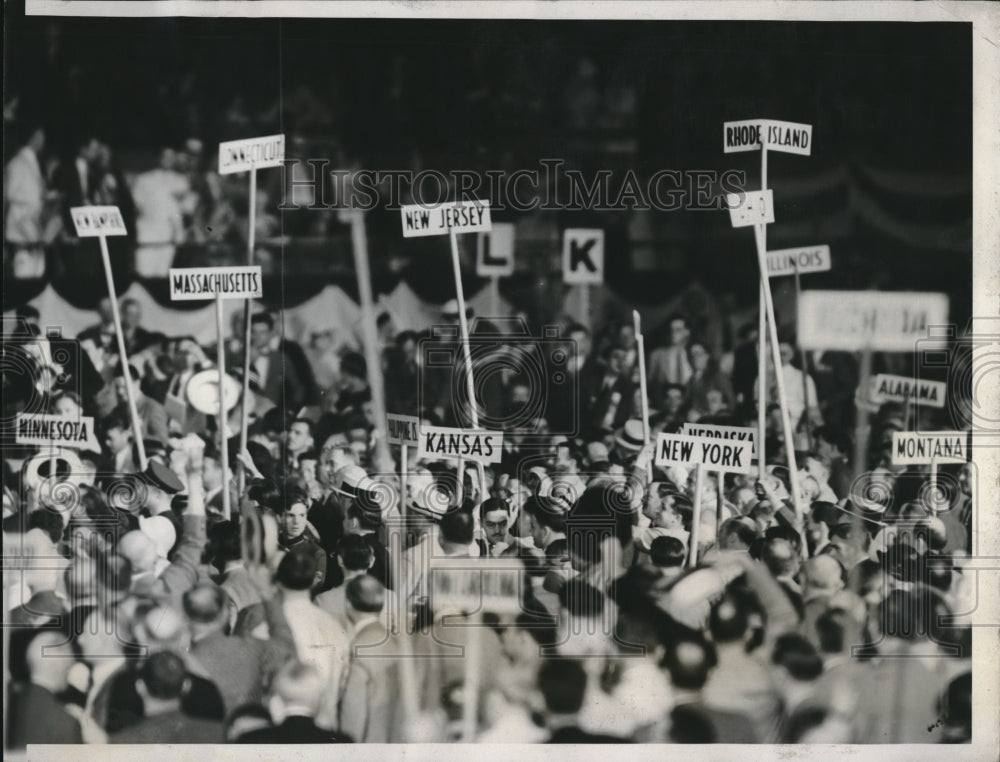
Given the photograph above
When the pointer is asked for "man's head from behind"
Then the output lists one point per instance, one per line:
(365, 595)
(206, 606)
(162, 680)
(47, 660)
(297, 570)
(296, 691)
(354, 554)
(457, 531)
(822, 576)
(562, 683)
(689, 661)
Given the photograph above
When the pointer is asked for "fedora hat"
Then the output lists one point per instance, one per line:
(629, 437)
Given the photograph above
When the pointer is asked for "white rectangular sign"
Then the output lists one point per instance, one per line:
(486, 584)
(460, 216)
(809, 259)
(911, 448)
(726, 456)
(193, 283)
(94, 221)
(883, 321)
(495, 252)
(711, 431)
(252, 153)
(887, 388)
(402, 429)
(751, 134)
(56, 431)
(751, 208)
(583, 256)
(442, 442)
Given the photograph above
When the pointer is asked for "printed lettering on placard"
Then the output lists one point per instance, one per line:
(443, 442)
(193, 283)
(725, 456)
(711, 430)
(56, 431)
(495, 252)
(583, 256)
(94, 221)
(886, 321)
(888, 388)
(460, 217)
(253, 153)
(809, 259)
(910, 448)
(402, 429)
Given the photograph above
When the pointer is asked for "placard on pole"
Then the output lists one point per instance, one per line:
(248, 156)
(218, 283)
(451, 219)
(100, 222)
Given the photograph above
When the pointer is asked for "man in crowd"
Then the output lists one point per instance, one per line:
(751, 636)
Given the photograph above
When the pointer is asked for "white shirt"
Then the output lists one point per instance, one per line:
(158, 196)
(320, 640)
(794, 393)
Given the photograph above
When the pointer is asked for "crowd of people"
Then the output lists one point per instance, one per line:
(143, 613)
(179, 200)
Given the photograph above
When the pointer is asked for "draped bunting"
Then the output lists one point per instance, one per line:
(331, 308)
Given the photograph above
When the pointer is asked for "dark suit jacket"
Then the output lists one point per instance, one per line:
(283, 384)
(380, 569)
(297, 357)
(600, 403)
(574, 734)
(172, 727)
(36, 716)
(294, 730)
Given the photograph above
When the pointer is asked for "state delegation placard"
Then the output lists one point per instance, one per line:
(253, 153)
(485, 584)
(888, 388)
(461, 216)
(56, 431)
(912, 448)
(442, 442)
(193, 283)
(402, 429)
(726, 456)
(807, 259)
(883, 321)
(751, 134)
(95, 221)
(729, 433)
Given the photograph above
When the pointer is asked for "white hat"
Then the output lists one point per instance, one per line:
(450, 309)
(425, 496)
(161, 531)
(352, 481)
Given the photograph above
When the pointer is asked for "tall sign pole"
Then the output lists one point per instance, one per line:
(249, 156)
(100, 222)
(218, 283)
(758, 210)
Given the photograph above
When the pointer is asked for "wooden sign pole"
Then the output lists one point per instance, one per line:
(123, 355)
(805, 362)
(699, 484)
(470, 703)
(793, 474)
(640, 348)
(245, 398)
(373, 358)
(762, 348)
(223, 443)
